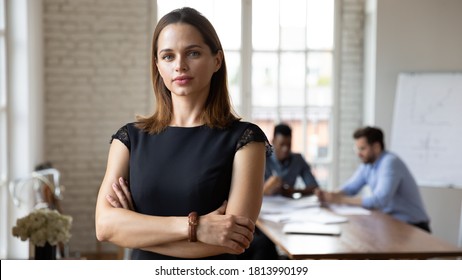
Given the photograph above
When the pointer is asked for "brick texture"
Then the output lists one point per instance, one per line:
(351, 83)
(96, 80)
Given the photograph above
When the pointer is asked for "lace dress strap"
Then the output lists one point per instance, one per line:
(122, 136)
(254, 134)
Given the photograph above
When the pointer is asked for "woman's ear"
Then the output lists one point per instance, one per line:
(218, 60)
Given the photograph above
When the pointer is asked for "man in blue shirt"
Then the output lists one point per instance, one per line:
(394, 190)
(284, 167)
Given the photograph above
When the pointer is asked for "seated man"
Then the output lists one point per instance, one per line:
(394, 190)
(282, 170)
(283, 167)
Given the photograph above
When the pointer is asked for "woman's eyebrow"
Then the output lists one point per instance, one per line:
(187, 48)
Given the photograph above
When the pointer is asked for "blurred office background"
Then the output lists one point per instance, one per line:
(73, 71)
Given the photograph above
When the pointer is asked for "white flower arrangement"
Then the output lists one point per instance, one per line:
(42, 226)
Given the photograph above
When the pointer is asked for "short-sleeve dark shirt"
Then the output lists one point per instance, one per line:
(183, 169)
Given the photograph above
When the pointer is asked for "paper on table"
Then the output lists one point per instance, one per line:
(312, 228)
(290, 215)
(343, 209)
(314, 214)
(281, 204)
(325, 217)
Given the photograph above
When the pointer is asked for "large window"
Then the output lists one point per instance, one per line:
(281, 68)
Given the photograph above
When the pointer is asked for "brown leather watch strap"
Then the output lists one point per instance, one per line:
(193, 221)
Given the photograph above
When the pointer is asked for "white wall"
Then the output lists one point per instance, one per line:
(414, 36)
(444, 207)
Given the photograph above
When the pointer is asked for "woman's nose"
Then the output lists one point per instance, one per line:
(181, 64)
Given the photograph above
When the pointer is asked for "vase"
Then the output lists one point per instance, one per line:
(47, 252)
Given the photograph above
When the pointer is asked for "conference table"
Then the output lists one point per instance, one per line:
(373, 236)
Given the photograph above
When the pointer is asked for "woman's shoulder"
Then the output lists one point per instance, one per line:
(245, 125)
(125, 133)
(251, 132)
(246, 129)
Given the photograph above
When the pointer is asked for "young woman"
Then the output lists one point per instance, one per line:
(187, 181)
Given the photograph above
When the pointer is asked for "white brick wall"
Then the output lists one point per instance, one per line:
(96, 80)
(351, 83)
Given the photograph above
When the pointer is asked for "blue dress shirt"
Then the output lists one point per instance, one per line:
(394, 190)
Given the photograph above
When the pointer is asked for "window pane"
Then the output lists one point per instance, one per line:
(320, 79)
(233, 66)
(294, 118)
(318, 132)
(225, 16)
(227, 22)
(265, 24)
(320, 24)
(292, 75)
(264, 79)
(293, 25)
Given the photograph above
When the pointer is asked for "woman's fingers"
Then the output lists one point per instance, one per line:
(126, 191)
(124, 198)
(239, 240)
(114, 202)
(233, 232)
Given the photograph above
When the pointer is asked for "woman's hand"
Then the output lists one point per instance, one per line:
(230, 231)
(123, 198)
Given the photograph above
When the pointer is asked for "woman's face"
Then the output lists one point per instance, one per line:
(185, 63)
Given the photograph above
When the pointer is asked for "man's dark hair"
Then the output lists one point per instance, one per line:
(282, 129)
(372, 135)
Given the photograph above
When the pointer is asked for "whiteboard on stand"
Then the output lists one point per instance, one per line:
(427, 127)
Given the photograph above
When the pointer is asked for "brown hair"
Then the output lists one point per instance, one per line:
(218, 112)
(372, 135)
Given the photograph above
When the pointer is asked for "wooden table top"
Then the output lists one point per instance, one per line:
(374, 236)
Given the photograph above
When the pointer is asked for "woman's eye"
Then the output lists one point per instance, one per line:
(167, 57)
(194, 53)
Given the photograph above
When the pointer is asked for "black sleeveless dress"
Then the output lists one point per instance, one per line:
(183, 169)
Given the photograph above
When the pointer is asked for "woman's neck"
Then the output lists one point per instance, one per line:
(187, 113)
